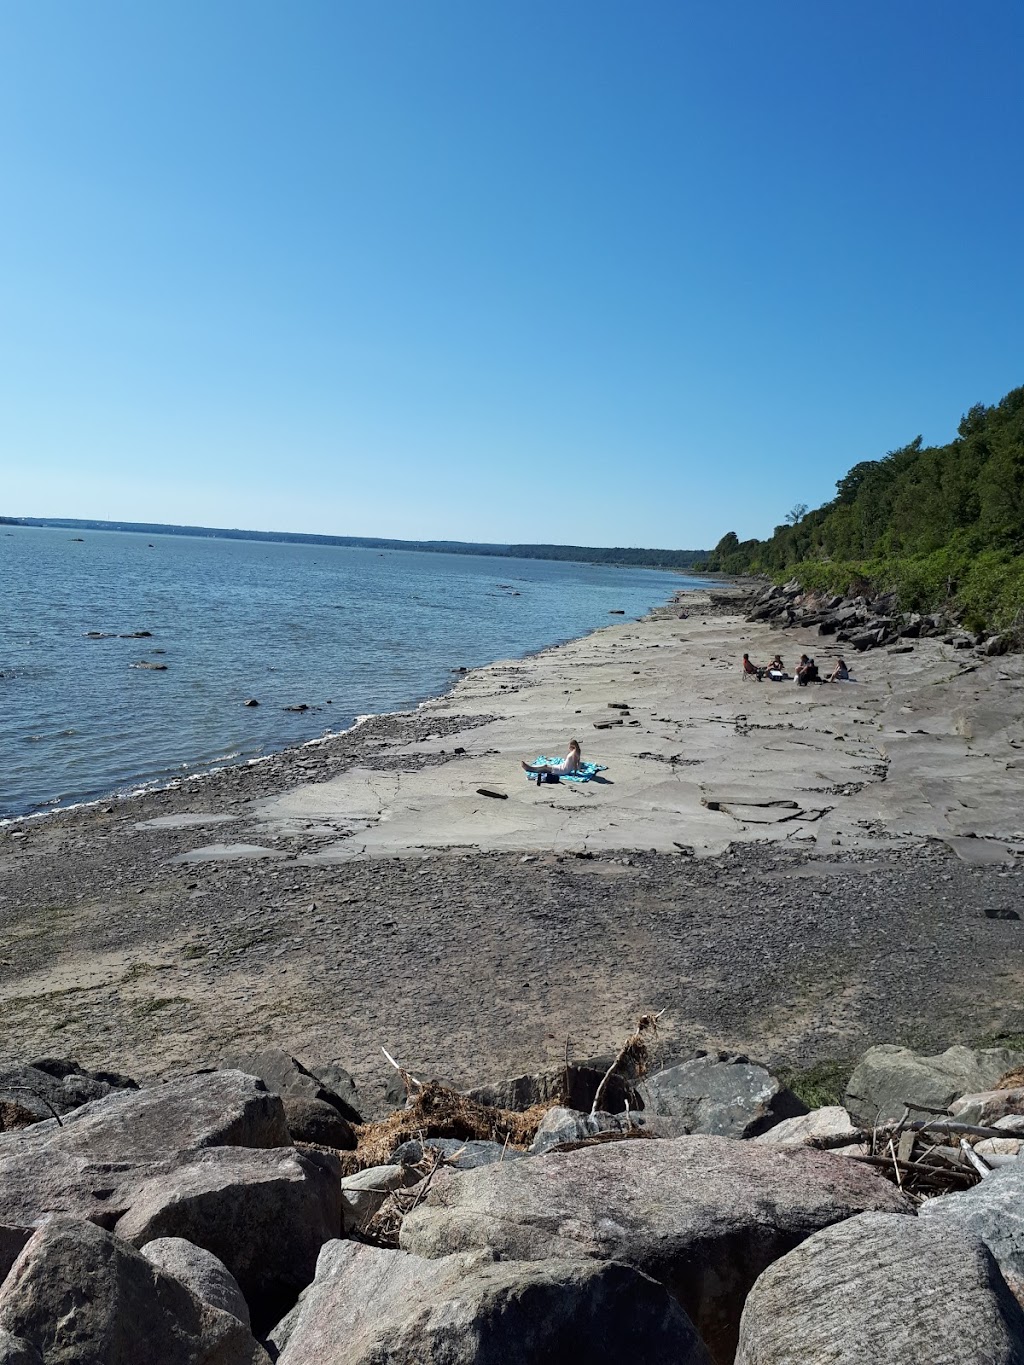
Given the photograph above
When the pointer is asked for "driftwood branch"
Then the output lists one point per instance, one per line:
(409, 1081)
(633, 1050)
(27, 1090)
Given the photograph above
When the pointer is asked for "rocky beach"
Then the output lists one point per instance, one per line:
(825, 879)
(794, 872)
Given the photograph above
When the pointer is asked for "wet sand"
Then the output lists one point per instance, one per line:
(792, 872)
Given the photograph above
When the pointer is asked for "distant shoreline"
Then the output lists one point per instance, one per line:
(617, 557)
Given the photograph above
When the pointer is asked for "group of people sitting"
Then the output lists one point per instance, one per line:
(806, 671)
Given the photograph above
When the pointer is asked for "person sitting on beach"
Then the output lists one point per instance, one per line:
(571, 763)
(807, 673)
(752, 670)
(777, 669)
(801, 667)
(840, 673)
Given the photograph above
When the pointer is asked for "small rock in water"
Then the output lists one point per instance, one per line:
(250, 701)
(302, 706)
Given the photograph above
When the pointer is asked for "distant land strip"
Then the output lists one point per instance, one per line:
(586, 554)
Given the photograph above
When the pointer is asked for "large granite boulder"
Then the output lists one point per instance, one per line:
(286, 1076)
(79, 1296)
(886, 1077)
(883, 1289)
(264, 1214)
(993, 1211)
(721, 1094)
(94, 1163)
(89, 1164)
(199, 1270)
(51, 1084)
(703, 1215)
(367, 1306)
(832, 1121)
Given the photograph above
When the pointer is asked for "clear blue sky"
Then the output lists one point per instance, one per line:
(498, 269)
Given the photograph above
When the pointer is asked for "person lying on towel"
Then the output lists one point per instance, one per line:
(571, 763)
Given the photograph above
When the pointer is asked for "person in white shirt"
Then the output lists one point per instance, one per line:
(571, 763)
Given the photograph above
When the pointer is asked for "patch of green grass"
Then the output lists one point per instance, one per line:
(1013, 1041)
(822, 1083)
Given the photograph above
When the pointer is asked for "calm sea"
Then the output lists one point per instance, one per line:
(345, 631)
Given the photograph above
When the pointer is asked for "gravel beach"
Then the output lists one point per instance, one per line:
(792, 873)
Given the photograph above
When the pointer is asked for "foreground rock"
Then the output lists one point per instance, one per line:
(93, 1164)
(721, 1094)
(199, 1270)
(264, 1214)
(207, 1159)
(886, 1077)
(79, 1296)
(368, 1306)
(703, 1215)
(887, 1290)
(993, 1211)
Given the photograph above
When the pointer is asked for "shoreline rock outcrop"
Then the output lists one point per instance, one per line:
(183, 1223)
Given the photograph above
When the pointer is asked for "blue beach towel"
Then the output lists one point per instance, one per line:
(582, 774)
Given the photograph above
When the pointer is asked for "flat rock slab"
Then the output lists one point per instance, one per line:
(367, 1306)
(224, 853)
(884, 1289)
(703, 1215)
(982, 852)
(185, 821)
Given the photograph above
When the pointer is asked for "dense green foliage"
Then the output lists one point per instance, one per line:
(941, 525)
(648, 559)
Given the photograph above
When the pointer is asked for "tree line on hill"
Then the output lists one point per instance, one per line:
(942, 526)
(623, 557)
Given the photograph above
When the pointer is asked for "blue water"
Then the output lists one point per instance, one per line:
(232, 619)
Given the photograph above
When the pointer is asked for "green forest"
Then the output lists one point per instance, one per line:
(942, 526)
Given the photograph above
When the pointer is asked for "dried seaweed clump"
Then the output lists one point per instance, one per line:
(436, 1112)
(633, 1058)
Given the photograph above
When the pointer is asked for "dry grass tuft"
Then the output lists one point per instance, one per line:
(437, 1112)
